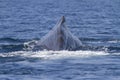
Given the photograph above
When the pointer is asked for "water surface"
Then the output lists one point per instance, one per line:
(95, 23)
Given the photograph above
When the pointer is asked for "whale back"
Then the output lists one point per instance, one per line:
(59, 38)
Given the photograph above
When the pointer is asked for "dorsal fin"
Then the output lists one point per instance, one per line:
(63, 19)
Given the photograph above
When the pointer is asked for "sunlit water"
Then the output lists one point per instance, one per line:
(95, 23)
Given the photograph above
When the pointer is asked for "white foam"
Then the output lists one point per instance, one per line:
(54, 54)
(114, 41)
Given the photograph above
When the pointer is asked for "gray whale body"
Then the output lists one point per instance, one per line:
(59, 38)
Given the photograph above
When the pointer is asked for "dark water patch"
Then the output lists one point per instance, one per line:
(26, 30)
(12, 40)
(17, 71)
(11, 59)
(113, 49)
(11, 48)
(12, 44)
(92, 39)
(4, 16)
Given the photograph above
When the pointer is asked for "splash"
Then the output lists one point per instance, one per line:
(54, 54)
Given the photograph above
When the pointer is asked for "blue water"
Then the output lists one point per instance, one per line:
(95, 22)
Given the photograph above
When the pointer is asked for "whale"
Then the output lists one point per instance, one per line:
(58, 38)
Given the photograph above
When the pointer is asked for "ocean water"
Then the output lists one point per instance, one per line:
(95, 22)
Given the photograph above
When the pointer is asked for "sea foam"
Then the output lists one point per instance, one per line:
(54, 54)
